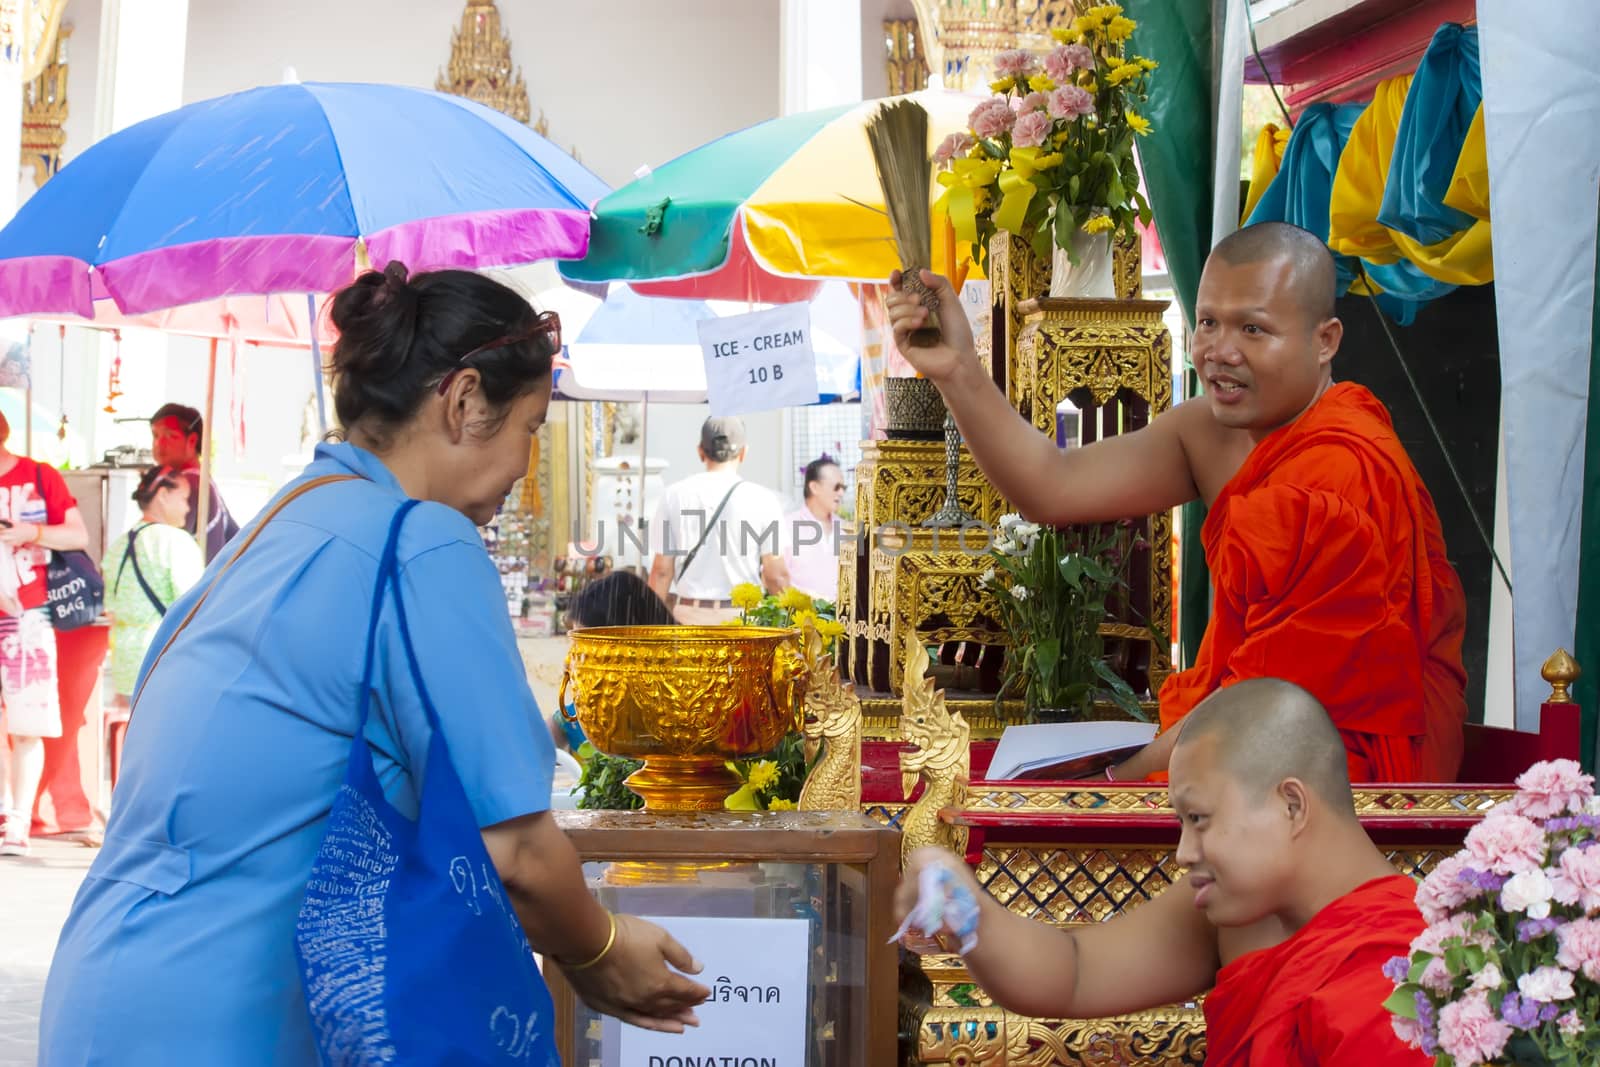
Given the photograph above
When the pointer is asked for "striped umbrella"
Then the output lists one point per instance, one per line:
(761, 214)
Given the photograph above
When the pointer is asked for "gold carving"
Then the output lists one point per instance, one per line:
(833, 726)
(480, 66)
(962, 37)
(1127, 267)
(908, 66)
(1080, 884)
(29, 27)
(1561, 671)
(685, 699)
(929, 590)
(44, 112)
(941, 759)
(1421, 802)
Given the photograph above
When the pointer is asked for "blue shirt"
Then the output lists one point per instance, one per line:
(180, 945)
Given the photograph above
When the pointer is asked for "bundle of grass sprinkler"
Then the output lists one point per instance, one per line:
(898, 133)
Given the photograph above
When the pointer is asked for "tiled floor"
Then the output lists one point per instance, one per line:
(35, 894)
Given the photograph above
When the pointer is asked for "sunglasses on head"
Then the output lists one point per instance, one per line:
(545, 331)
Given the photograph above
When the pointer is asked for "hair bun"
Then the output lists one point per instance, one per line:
(395, 274)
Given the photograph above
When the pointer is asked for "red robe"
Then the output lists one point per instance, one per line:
(1316, 1000)
(1329, 570)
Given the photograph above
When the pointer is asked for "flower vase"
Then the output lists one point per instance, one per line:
(1090, 278)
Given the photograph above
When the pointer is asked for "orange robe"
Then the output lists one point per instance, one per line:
(1329, 570)
(1316, 1000)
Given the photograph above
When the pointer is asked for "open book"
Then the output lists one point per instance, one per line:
(1065, 750)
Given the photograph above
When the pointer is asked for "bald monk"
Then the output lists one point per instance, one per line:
(1287, 913)
(1327, 561)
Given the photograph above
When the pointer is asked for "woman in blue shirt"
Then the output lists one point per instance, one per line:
(180, 946)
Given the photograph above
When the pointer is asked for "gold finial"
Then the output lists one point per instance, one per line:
(480, 65)
(1560, 670)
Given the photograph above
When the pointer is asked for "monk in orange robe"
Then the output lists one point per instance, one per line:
(1284, 919)
(1328, 564)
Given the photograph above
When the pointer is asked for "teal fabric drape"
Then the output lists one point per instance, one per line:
(1587, 645)
(1445, 94)
(1300, 193)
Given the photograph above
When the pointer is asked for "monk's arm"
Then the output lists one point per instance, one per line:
(1124, 476)
(1161, 952)
(1152, 759)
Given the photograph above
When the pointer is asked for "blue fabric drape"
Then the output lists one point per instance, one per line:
(1445, 94)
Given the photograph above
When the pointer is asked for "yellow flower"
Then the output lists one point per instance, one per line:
(763, 773)
(1090, 86)
(1003, 85)
(1064, 34)
(1105, 12)
(1145, 64)
(796, 600)
(1099, 224)
(780, 804)
(804, 618)
(1137, 122)
(746, 596)
(1041, 83)
(1122, 73)
(830, 629)
(1120, 29)
(1087, 25)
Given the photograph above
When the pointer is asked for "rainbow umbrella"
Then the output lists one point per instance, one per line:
(762, 214)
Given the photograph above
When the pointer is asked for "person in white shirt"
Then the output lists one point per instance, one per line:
(713, 531)
(811, 532)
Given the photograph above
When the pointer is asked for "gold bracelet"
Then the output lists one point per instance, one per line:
(611, 939)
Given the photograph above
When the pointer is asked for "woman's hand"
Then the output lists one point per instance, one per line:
(955, 350)
(637, 981)
(19, 533)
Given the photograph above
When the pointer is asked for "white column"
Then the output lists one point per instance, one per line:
(820, 60)
(1499, 687)
(11, 143)
(141, 64)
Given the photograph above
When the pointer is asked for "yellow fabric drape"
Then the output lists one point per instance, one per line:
(1464, 258)
(1264, 164)
(532, 502)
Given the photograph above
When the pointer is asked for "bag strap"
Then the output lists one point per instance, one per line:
(706, 532)
(116, 583)
(133, 555)
(288, 498)
(389, 578)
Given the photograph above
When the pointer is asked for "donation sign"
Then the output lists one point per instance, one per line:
(759, 361)
(756, 1017)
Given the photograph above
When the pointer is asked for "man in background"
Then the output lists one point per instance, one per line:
(713, 531)
(175, 432)
(811, 532)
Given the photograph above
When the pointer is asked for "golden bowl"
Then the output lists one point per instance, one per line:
(685, 699)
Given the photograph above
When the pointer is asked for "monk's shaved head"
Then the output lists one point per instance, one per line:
(1312, 276)
(1265, 730)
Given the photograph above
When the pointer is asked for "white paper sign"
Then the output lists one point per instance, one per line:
(759, 361)
(757, 970)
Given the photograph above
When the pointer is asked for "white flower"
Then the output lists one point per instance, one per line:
(1570, 1025)
(1592, 806)
(1546, 985)
(1025, 531)
(987, 576)
(1005, 547)
(1529, 891)
(1488, 978)
(1021, 593)
(1009, 521)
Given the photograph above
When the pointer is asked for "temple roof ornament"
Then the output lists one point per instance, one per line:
(961, 37)
(480, 66)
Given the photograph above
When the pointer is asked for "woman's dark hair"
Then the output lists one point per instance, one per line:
(814, 471)
(153, 481)
(621, 598)
(401, 336)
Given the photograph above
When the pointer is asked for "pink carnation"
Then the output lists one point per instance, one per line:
(1432, 939)
(1069, 102)
(1570, 1025)
(1033, 102)
(1015, 63)
(1470, 1032)
(991, 118)
(1407, 1030)
(1066, 61)
(1444, 890)
(954, 145)
(1435, 977)
(1506, 843)
(1031, 129)
(1579, 950)
(1553, 787)
(1576, 879)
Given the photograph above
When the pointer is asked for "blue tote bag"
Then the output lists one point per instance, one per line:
(410, 952)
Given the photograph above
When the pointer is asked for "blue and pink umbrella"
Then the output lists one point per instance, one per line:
(291, 189)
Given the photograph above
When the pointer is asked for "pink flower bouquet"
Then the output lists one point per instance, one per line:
(1508, 970)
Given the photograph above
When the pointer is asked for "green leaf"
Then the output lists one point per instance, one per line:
(1403, 1001)
(1046, 655)
(1455, 959)
(1072, 570)
(1419, 963)
(1476, 958)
